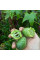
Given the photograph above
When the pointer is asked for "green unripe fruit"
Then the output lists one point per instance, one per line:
(21, 44)
(16, 34)
(28, 32)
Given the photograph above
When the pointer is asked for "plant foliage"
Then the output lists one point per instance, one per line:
(30, 17)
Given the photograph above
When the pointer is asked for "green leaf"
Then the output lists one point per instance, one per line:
(18, 12)
(9, 13)
(12, 13)
(30, 17)
(26, 17)
(7, 16)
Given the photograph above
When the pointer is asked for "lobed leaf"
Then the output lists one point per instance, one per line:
(30, 17)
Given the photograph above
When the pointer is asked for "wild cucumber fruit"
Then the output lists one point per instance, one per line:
(21, 44)
(16, 34)
(28, 32)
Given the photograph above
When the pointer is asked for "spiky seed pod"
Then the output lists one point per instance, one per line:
(28, 32)
(16, 34)
(21, 43)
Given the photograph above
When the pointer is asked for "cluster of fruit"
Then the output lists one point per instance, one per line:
(20, 36)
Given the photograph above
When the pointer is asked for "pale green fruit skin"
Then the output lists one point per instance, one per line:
(21, 44)
(16, 34)
(28, 32)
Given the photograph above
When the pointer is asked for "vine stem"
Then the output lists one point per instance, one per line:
(37, 22)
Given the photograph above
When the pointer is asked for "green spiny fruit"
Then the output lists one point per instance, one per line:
(21, 44)
(28, 32)
(16, 34)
